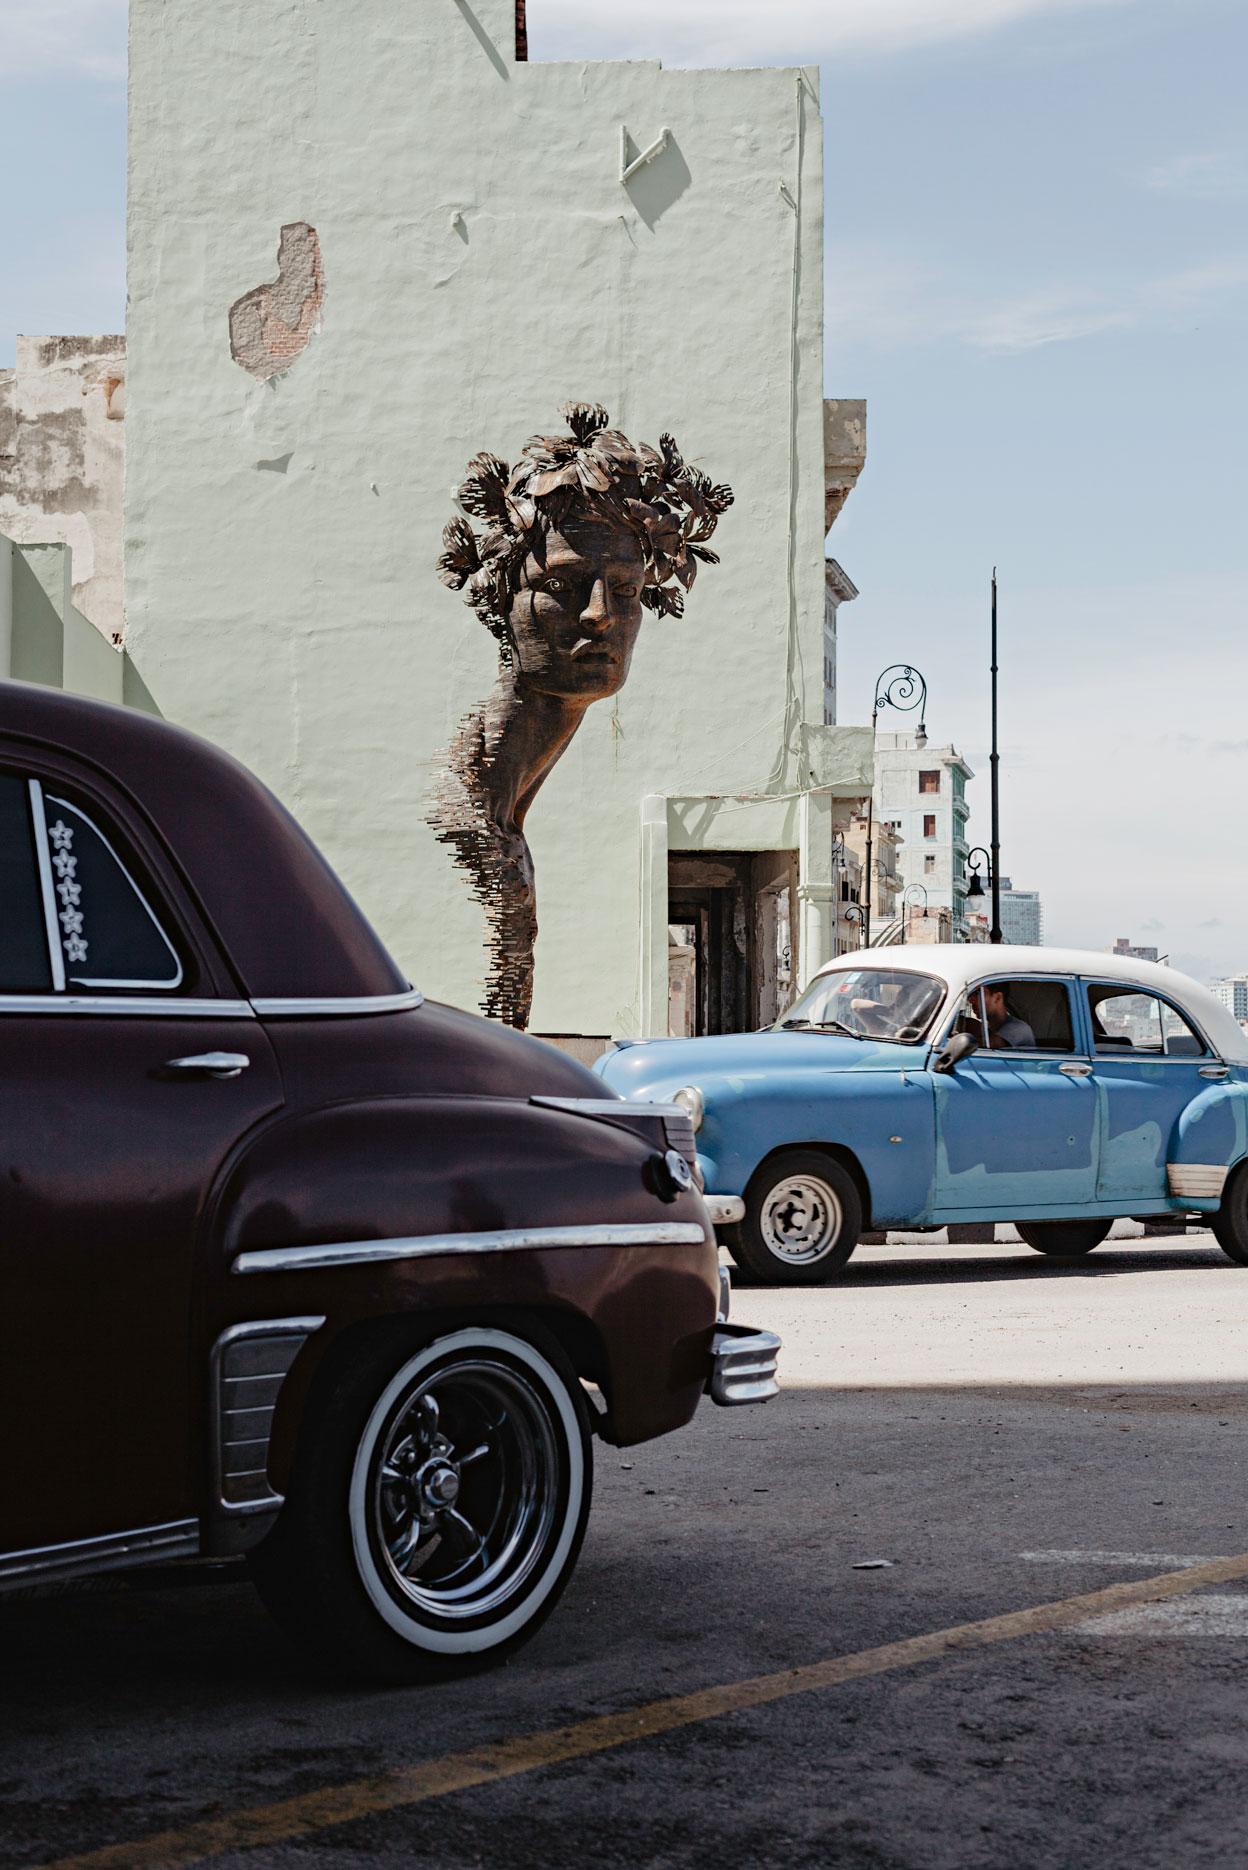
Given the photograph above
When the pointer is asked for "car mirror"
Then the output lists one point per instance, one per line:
(956, 1048)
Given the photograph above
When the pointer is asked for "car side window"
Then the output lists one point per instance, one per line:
(1182, 1040)
(1019, 1016)
(74, 917)
(1140, 1023)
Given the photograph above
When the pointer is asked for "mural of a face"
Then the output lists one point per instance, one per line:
(577, 610)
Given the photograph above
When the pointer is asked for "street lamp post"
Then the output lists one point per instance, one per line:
(912, 891)
(976, 885)
(902, 687)
(994, 933)
(838, 870)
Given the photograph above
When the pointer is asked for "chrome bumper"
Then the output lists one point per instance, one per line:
(743, 1365)
(724, 1209)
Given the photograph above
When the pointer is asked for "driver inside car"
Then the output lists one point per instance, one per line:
(1006, 1031)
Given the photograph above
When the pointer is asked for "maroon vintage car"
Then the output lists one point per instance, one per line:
(296, 1263)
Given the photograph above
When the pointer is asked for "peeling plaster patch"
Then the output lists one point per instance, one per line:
(278, 465)
(271, 325)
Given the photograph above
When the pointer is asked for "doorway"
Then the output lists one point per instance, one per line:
(732, 932)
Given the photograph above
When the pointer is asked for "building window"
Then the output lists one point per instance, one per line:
(929, 824)
(929, 782)
(929, 866)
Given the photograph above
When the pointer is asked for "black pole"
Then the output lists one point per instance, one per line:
(866, 907)
(994, 933)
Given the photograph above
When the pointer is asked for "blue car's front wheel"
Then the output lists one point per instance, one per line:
(803, 1216)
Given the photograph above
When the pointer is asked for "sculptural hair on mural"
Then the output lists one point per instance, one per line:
(581, 535)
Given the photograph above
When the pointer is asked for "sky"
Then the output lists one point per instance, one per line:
(1037, 275)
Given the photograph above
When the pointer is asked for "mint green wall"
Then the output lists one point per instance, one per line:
(43, 638)
(483, 263)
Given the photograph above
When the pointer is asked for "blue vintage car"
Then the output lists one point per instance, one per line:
(906, 1088)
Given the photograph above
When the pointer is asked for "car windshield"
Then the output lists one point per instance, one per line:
(867, 1003)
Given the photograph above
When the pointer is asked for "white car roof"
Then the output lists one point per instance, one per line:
(964, 964)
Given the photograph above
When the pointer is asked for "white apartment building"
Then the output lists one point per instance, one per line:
(920, 791)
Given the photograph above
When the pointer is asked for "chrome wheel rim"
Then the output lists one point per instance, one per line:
(801, 1220)
(464, 1489)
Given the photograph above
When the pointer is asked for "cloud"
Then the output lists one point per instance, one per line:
(1213, 175)
(79, 38)
(884, 300)
(745, 32)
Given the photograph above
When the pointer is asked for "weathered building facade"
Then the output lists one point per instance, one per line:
(62, 414)
(412, 246)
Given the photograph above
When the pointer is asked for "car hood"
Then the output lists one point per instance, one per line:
(657, 1067)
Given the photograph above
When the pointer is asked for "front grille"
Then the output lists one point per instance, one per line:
(252, 1362)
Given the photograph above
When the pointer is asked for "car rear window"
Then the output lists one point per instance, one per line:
(72, 916)
(24, 963)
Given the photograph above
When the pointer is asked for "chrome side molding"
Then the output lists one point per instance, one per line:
(125, 1006)
(345, 1008)
(505, 1240)
(115, 1551)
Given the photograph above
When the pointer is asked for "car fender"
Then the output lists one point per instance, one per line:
(1212, 1130)
(882, 1120)
(405, 1172)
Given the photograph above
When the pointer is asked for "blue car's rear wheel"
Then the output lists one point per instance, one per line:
(803, 1216)
(1230, 1223)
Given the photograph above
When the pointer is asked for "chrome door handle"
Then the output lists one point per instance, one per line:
(1214, 1071)
(1076, 1071)
(211, 1064)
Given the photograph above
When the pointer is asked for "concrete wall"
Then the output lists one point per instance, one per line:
(480, 263)
(62, 416)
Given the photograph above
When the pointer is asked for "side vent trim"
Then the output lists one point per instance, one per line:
(249, 1365)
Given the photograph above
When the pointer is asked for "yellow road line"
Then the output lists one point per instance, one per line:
(413, 1785)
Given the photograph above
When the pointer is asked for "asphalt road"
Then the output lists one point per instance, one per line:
(1005, 1432)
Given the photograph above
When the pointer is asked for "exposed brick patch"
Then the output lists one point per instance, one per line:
(522, 34)
(271, 326)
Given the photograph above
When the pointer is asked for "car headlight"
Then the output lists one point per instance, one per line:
(690, 1098)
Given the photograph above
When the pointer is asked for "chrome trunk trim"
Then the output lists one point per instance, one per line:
(1196, 1181)
(249, 1365)
(114, 1551)
(430, 1246)
(332, 1007)
(743, 1365)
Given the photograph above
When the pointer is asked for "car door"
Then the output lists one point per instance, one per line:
(1016, 1130)
(1149, 1062)
(110, 1136)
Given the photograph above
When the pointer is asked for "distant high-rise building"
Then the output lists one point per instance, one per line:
(1233, 993)
(1022, 916)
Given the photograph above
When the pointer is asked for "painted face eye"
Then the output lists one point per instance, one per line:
(558, 587)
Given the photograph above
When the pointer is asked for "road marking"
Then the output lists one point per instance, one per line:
(456, 1772)
(1170, 1560)
(1195, 1616)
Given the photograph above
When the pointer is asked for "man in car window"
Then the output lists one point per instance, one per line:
(1006, 1031)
